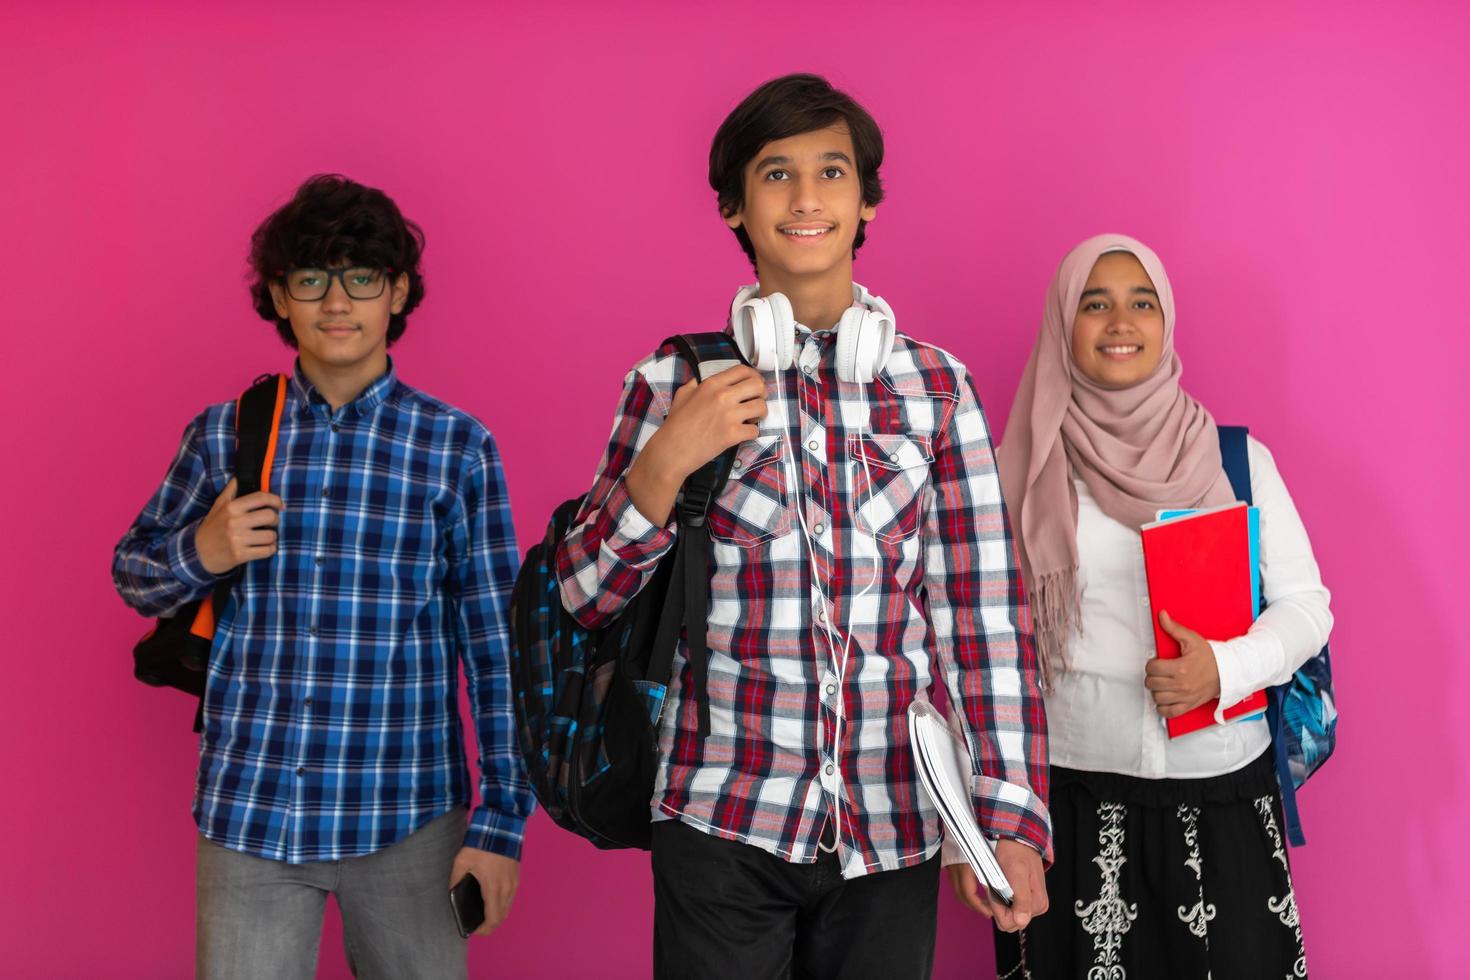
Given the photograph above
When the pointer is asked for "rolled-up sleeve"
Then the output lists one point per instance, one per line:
(612, 550)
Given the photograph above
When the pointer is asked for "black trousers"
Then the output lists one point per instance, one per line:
(723, 909)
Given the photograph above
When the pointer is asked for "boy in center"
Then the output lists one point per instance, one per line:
(860, 553)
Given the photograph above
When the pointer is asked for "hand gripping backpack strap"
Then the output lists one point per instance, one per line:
(257, 425)
(1235, 457)
(687, 605)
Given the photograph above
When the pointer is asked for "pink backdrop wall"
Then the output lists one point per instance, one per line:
(1300, 167)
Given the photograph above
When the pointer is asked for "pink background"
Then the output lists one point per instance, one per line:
(1300, 168)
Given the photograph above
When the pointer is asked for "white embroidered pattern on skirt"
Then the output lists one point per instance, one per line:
(1285, 906)
(1198, 917)
(1108, 918)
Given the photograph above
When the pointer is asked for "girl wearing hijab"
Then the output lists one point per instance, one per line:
(1170, 858)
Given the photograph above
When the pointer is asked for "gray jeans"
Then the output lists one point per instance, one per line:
(263, 918)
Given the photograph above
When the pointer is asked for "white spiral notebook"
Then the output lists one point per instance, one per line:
(943, 761)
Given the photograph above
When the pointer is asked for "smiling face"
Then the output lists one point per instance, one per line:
(339, 335)
(803, 200)
(1118, 337)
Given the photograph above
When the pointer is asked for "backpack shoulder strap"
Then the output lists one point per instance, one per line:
(257, 424)
(707, 355)
(1235, 457)
(688, 604)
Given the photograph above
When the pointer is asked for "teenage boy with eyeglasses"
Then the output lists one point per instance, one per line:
(860, 553)
(332, 757)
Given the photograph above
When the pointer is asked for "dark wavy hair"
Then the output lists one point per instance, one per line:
(332, 219)
(782, 107)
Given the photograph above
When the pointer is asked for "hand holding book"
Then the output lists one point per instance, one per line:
(1026, 874)
(1188, 681)
(1202, 566)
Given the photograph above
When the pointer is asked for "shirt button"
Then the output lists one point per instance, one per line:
(326, 491)
(737, 464)
(320, 561)
(308, 702)
(821, 617)
(831, 688)
(336, 427)
(312, 630)
(894, 457)
(819, 529)
(301, 770)
(807, 368)
(812, 445)
(830, 769)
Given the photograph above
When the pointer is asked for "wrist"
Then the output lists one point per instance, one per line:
(1212, 668)
(213, 562)
(659, 467)
(1021, 847)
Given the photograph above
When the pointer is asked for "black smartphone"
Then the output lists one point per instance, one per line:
(468, 905)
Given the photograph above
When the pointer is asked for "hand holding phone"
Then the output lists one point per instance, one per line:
(484, 885)
(468, 905)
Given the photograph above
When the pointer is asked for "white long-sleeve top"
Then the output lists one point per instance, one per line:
(1100, 716)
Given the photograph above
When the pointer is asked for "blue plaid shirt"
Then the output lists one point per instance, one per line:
(331, 720)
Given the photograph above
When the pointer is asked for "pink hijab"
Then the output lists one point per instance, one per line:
(1139, 450)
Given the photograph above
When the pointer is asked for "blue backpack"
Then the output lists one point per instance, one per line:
(1302, 713)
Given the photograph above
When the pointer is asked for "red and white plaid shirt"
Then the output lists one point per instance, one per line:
(907, 466)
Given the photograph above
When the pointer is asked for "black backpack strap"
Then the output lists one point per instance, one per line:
(687, 605)
(257, 423)
(703, 351)
(670, 624)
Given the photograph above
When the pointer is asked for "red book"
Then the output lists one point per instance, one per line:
(1199, 572)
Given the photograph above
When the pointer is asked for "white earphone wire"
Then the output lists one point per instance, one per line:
(837, 664)
(841, 671)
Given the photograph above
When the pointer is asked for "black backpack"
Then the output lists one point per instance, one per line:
(588, 701)
(175, 652)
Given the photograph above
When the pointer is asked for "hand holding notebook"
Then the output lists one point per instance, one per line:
(1178, 685)
(945, 772)
(1201, 571)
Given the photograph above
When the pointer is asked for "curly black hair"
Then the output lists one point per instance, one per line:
(330, 220)
(788, 106)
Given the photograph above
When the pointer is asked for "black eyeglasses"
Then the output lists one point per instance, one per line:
(359, 282)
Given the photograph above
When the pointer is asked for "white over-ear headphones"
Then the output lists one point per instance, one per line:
(765, 330)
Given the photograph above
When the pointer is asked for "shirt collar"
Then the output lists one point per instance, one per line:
(368, 399)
